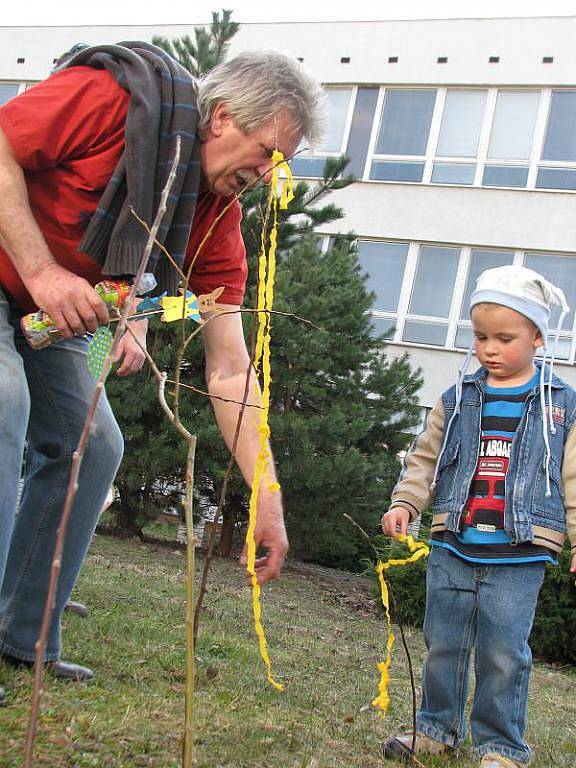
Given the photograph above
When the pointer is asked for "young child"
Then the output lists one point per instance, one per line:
(497, 459)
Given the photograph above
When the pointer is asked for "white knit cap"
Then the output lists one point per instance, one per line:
(521, 289)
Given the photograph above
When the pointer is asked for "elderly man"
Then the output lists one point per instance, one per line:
(75, 151)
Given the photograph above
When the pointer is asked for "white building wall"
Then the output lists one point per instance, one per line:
(499, 218)
(467, 43)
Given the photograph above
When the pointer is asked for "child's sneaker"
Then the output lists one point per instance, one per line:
(494, 760)
(399, 747)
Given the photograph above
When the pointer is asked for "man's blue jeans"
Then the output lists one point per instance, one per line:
(44, 398)
(489, 608)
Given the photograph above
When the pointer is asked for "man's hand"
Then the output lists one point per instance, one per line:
(573, 564)
(71, 301)
(395, 521)
(270, 534)
(132, 349)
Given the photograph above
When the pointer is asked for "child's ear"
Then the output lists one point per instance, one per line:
(538, 340)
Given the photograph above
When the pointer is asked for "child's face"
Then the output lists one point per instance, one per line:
(505, 343)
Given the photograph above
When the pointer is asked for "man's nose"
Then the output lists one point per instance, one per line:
(264, 172)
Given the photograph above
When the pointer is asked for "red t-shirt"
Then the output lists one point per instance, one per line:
(67, 133)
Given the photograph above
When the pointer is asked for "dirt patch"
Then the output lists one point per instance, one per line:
(341, 587)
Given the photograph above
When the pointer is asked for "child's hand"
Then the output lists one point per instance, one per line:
(396, 521)
(573, 564)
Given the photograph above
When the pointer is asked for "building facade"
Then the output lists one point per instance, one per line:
(462, 136)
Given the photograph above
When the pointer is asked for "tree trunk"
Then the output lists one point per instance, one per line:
(229, 517)
(126, 515)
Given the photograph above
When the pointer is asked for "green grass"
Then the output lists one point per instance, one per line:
(324, 643)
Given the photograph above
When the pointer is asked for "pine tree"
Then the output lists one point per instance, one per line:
(208, 48)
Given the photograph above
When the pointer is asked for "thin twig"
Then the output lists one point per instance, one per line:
(75, 471)
(159, 245)
(215, 397)
(250, 311)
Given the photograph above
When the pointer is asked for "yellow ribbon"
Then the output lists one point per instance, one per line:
(266, 274)
(418, 549)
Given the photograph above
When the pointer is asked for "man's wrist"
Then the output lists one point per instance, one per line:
(29, 273)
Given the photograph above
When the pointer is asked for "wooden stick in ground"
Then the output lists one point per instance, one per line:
(190, 576)
(187, 752)
(75, 471)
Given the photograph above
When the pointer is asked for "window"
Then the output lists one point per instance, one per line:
(312, 163)
(431, 296)
(513, 125)
(559, 144)
(385, 264)
(360, 130)
(507, 137)
(505, 176)
(7, 91)
(511, 139)
(461, 124)
(459, 137)
(404, 131)
(556, 178)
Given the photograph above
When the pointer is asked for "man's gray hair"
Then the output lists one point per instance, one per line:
(256, 85)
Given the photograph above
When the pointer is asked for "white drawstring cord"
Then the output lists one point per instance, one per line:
(461, 374)
(553, 295)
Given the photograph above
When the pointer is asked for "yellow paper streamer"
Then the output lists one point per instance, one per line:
(266, 273)
(418, 549)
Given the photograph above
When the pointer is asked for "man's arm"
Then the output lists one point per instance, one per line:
(70, 300)
(227, 363)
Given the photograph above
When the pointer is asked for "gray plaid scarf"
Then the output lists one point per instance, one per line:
(163, 105)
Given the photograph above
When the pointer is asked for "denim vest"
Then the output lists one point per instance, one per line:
(526, 500)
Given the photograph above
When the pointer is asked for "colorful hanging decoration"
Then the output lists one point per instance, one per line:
(266, 272)
(98, 350)
(418, 549)
(178, 307)
(173, 306)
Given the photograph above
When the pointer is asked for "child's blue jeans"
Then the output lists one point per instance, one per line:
(489, 608)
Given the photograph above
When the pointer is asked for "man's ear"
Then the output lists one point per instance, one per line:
(219, 119)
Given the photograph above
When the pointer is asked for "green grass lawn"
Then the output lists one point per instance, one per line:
(324, 643)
